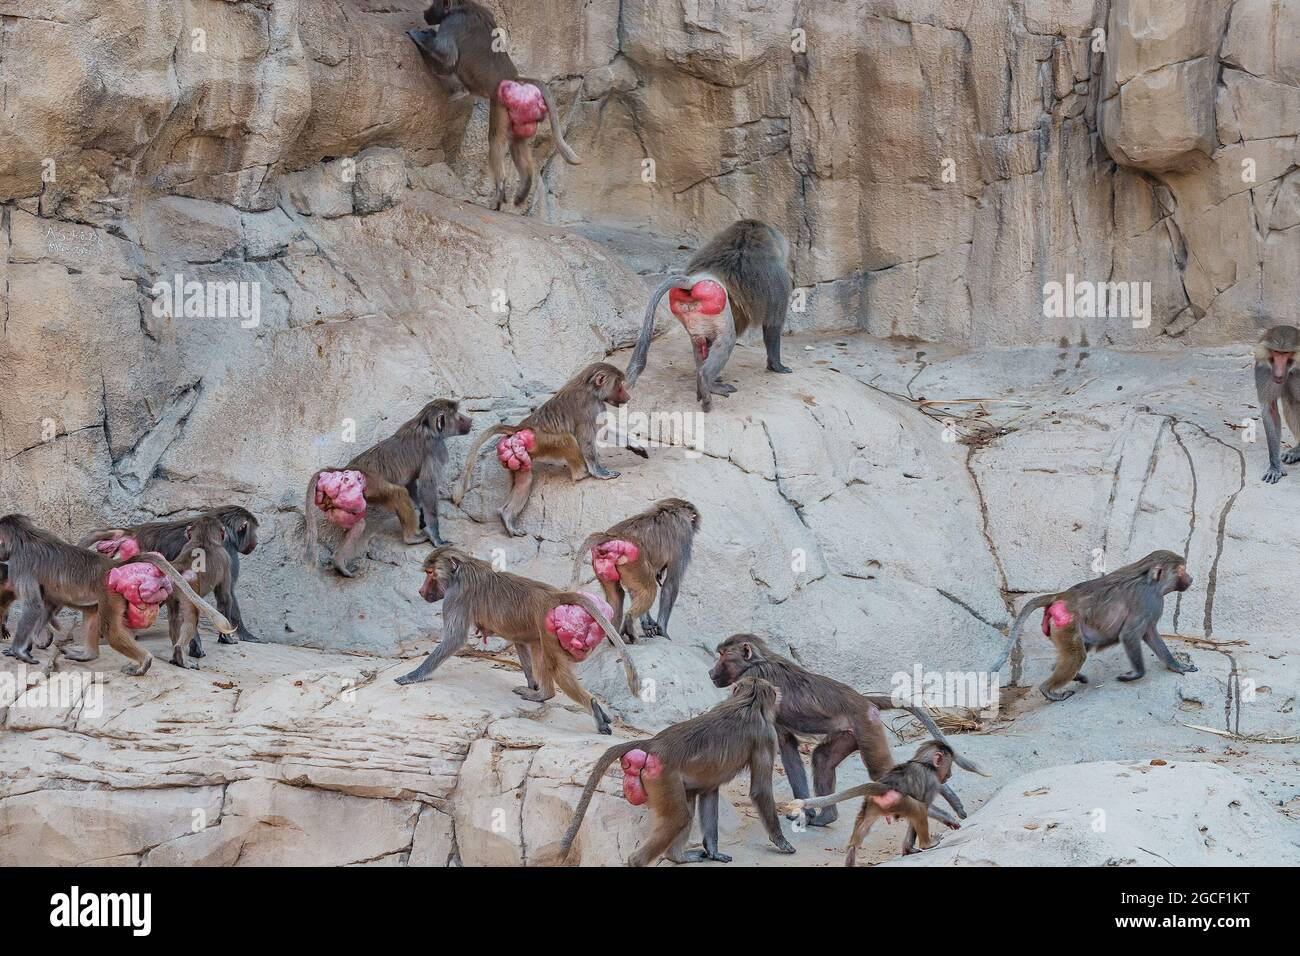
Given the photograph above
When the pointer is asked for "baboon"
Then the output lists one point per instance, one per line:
(462, 39)
(1277, 383)
(907, 790)
(562, 430)
(661, 538)
(204, 563)
(48, 573)
(740, 278)
(403, 469)
(514, 608)
(816, 704)
(7, 597)
(1124, 606)
(691, 760)
(168, 539)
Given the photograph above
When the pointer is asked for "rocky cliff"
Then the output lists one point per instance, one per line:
(934, 164)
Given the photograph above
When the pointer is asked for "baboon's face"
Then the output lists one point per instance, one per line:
(733, 661)
(434, 587)
(246, 536)
(1281, 362)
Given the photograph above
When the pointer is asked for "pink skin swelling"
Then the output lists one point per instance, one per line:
(342, 496)
(1056, 613)
(145, 589)
(575, 629)
(526, 107)
(515, 451)
(636, 764)
(608, 557)
(120, 548)
(697, 309)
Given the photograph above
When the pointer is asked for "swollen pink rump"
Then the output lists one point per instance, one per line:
(638, 763)
(342, 496)
(526, 104)
(705, 296)
(144, 587)
(1056, 613)
(575, 629)
(606, 558)
(120, 548)
(515, 451)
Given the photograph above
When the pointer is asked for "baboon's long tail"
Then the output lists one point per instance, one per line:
(888, 703)
(607, 758)
(584, 553)
(637, 365)
(816, 803)
(1036, 604)
(165, 566)
(472, 458)
(569, 155)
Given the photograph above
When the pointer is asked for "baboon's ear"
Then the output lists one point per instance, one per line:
(747, 651)
(1157, 572)
(442, 423)
(937, 758)
(598, 380)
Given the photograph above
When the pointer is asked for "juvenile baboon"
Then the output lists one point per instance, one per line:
(48, 573)
(740, 278)
(815, 704)
(661, 538)
(405, 467)
(205, 564)
(515, 608)
(1121, 607)
(691, 760)
(1277, 383)
(168, 539)
(463, 39)
(562, 430)
(907, 791)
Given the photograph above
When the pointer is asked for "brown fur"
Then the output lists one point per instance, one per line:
(699, 755)
(908, 790)
(168, 538)
(565, 432)
(1123, 606)
(812, 703)
(459, 42)
(203, 557)
(663, 534)
(475, 597)
(750, 259)
(48, 573)
(404, 468)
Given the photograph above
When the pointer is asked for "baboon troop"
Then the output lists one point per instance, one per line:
(117, 579)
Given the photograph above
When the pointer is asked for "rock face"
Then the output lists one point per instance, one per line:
(1116, 814)
(243, 241)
